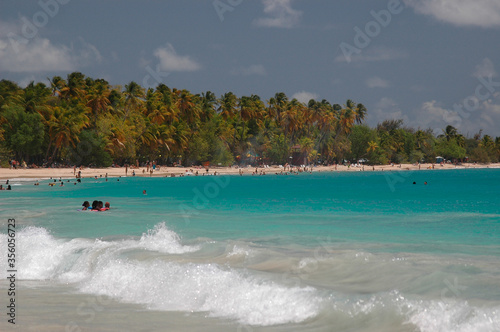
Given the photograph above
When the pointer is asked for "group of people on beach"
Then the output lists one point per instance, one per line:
(96, 206)
(15, 164)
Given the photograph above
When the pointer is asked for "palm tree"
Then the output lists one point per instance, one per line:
(65, 124)
(208, 101)
(98, 98)
(187, 106)
(346, 120)
(486, 141)
(57, 85)
(306, 146)
(227, 105)
(75, 87)
(34, 98)
(372, 146)
(420, 138)
(134, 98)
(460, 140)
(293, 118)
(258, 110)
(360, 111)
(449, 133)
(277, 106)
(246, 108)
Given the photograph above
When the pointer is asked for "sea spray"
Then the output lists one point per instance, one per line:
(109, 268)
(207, 288)
(163, 240)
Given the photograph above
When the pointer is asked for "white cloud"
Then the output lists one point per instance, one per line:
(485, 116)
(470, 115)
(40, 55)
(485, 69)
(280, 14)
(33, 55)
(373, 55)
(432, 114)
(489, 118)
(250, 70)
(483, 13)
(376, 82)
(171, 61)
(304, 96)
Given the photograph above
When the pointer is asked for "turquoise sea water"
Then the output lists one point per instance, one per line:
(357, 251)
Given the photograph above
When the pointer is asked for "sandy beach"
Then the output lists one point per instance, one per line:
(163, 171)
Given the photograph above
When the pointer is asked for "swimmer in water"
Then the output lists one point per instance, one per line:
(85, 205)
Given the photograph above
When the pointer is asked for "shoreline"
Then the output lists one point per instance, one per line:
(70, 173)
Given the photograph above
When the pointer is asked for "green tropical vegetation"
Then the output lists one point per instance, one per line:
(84, 121)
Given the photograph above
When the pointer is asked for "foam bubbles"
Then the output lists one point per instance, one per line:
(239, 251)
(450, 315)
(45, 257)
(163, 240)
(457, 316)
(40, 256)
(204, 288)
(109, 268)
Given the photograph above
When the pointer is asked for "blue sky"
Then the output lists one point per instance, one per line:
(429, 62)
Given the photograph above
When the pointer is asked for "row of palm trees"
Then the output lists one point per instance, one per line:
(81, 120)
(163, 123)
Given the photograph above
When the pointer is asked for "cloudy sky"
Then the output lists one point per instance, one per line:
(429, 62)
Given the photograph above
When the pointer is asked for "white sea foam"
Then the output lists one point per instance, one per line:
(103, 267)
(155, 279)
(239, 251)
(444, 315)
(457, 316)
(203, 288)
(164, 240)
(41, 256)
